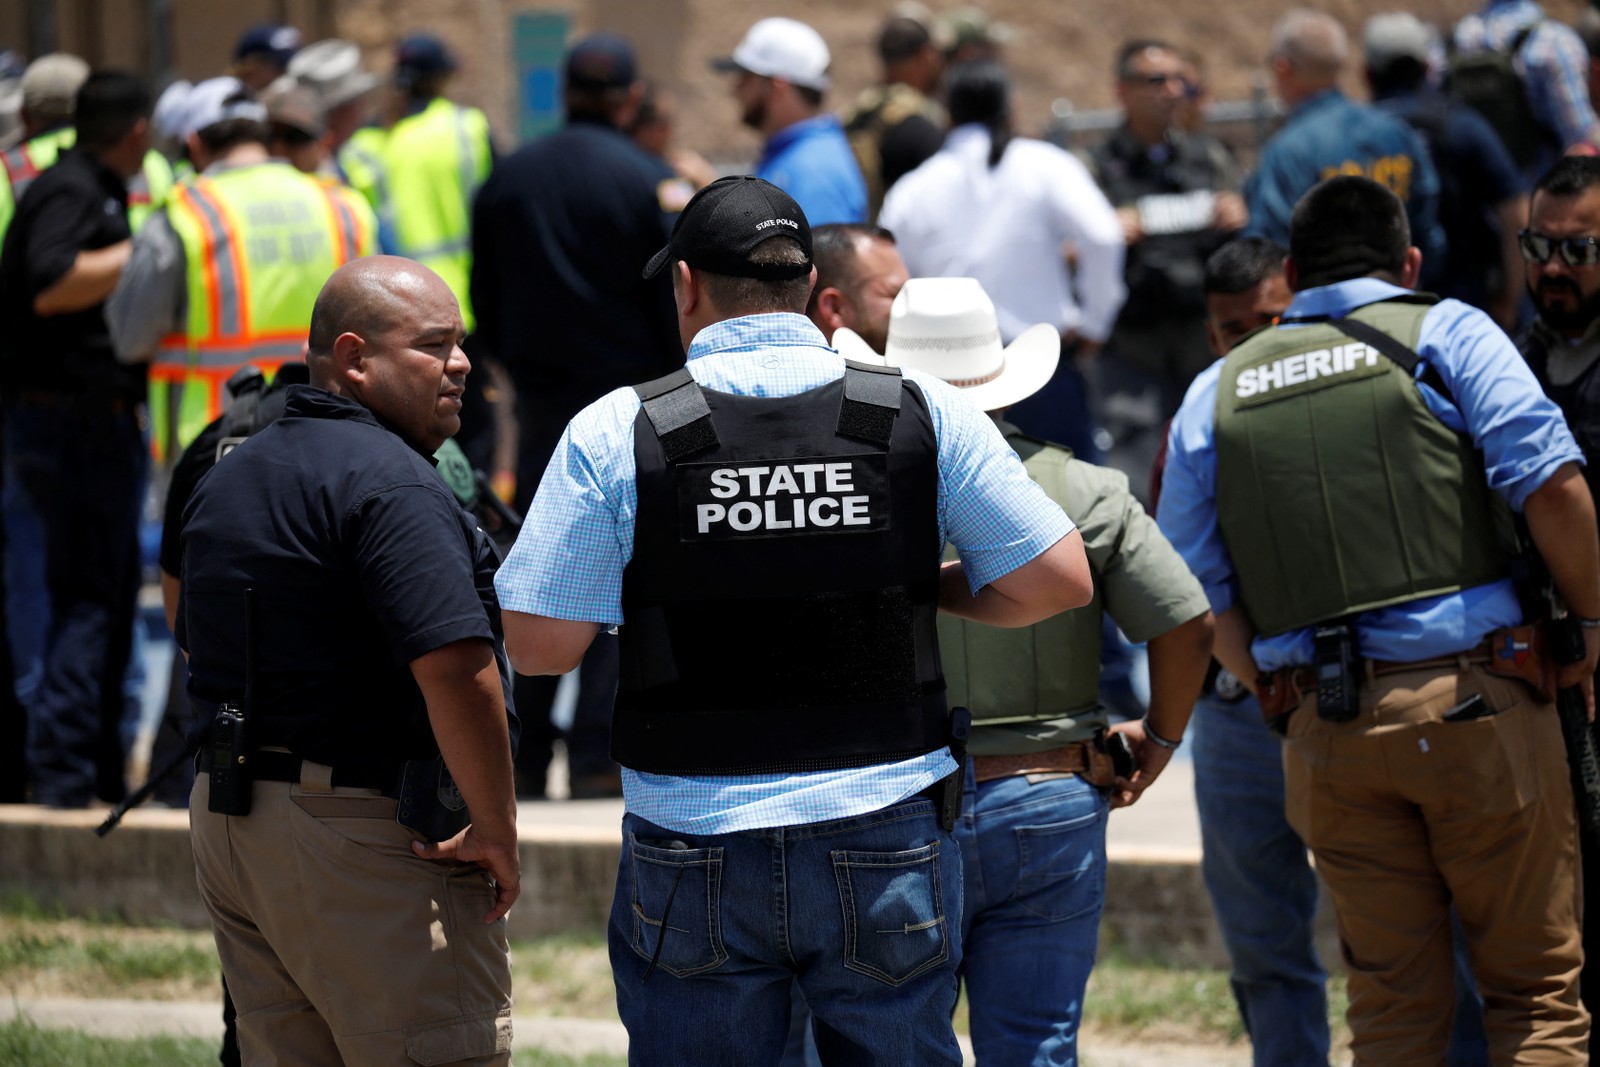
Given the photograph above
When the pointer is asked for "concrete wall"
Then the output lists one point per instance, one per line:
(1156, 905)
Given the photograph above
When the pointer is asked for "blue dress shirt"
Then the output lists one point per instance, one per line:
(1496, 401)
(578, 537)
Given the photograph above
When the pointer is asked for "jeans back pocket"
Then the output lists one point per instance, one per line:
(894, 920)
(676, 897)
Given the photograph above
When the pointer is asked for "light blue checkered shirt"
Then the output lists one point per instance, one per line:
(578, 536)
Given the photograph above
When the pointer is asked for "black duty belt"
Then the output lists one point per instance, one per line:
(267, 766)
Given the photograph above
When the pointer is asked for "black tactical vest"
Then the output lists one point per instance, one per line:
(780, 602)
(1579, 401)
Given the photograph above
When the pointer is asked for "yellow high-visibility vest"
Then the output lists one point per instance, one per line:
(259, 241)
(421, 176)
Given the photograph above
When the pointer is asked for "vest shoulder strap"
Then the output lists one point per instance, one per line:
(1396, 350)
(871, 402)
(678, 412)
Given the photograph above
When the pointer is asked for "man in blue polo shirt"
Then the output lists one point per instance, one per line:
(783, 71)
(1340, 484)
(1327, 133)
(766, 526)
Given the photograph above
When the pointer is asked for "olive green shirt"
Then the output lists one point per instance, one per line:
(1142, 582)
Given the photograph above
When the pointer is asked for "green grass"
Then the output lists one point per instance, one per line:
(1161, 1004)
(43, 952)
(23, 1044)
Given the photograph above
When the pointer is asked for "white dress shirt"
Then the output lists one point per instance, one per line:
(1008, 227)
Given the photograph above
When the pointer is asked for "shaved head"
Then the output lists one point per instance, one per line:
(386, 332)
(370, 296)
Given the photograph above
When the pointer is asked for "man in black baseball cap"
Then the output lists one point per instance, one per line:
(764, 525)
(724, 223)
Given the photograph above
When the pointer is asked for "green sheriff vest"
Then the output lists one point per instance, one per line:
(1338, 490)
(1045, 673)
(258, 242)
(147, 191)
(421, 176)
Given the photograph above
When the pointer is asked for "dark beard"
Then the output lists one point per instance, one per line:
(1560, 319)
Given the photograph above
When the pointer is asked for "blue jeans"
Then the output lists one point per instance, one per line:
(1035, 858)
(1265, 894)
(81, 467)
(859, 910)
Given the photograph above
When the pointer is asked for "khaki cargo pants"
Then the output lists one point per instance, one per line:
(1405, 812)
(339, 945)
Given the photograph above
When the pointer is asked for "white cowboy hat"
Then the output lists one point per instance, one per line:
(946, 327)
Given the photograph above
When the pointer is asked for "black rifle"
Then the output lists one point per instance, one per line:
(1564, 643)
(191, 744)
(1567, 646)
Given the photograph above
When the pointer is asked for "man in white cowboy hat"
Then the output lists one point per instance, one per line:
(1043, 774)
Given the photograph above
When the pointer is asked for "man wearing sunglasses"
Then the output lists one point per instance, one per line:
(1561, 247)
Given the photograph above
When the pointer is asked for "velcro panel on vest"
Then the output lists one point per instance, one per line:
(871, 402)
(678, 411)
(796, 631)
(1338, 489)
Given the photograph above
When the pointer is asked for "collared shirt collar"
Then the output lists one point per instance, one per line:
(314, 402)
(1341, 298)
(751, 333)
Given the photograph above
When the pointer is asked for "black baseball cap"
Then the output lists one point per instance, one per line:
(724, 221)
(601, 61)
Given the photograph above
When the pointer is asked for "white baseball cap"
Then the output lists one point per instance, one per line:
(782, 48)
(215, 100)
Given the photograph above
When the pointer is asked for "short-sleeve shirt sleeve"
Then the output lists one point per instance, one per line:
(414, 564)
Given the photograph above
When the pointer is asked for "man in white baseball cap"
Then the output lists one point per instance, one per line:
(782, 68)
(1042, 750)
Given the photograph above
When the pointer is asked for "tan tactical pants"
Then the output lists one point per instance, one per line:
(339, 945)
(1405, 812)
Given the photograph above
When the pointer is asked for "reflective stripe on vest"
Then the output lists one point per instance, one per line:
(1041, 673)
(147, 191)
(1338, 489)
(259, 241)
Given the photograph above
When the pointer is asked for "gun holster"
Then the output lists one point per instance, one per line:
(430, 804)
(955, 784)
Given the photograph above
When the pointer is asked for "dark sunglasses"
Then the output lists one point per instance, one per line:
(1575, 251)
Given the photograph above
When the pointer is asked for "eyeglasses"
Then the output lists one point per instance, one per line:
(1575, 251)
